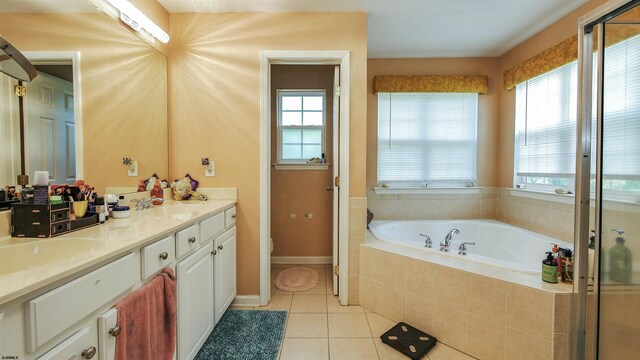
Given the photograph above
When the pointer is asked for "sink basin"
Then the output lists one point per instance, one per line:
(35, 253)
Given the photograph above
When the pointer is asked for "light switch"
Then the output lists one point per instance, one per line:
(210, 170)
(132, 170)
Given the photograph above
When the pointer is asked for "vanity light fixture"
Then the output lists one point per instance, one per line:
(130, 15)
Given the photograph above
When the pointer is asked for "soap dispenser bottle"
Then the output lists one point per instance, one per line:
(157, 193)
(550, 269)
(620, 260)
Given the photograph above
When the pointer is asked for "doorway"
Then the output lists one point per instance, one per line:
(340, 170)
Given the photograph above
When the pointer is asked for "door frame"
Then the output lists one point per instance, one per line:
(63, 58)
(303, 57)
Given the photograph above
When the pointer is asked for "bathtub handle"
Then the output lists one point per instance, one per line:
(427, 241)
(462, 249)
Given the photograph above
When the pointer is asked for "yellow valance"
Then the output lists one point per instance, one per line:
(554, 57)
(431, 83)
(563, 53)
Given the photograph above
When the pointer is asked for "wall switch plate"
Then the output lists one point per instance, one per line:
(132, 170)
(210, 170)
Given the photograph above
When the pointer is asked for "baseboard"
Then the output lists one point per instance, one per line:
(246, 300)
(302, 260)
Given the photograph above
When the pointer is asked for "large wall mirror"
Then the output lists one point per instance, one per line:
(100, 96)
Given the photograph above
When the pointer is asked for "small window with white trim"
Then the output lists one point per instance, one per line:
(301, 126)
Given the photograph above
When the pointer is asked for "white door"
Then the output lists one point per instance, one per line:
(336, 171)
(225, 271)
(195, 301)
(49, 128)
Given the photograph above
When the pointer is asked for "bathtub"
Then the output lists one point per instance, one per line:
(496, 243)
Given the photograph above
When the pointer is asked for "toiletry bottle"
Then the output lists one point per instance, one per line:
(550, 269)
(567, 266)
(620, 260)
(157, 192)
(100, 209)
(556, 252)
(591, 256)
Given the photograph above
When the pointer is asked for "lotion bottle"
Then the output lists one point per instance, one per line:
(620, 260)
(550, 269)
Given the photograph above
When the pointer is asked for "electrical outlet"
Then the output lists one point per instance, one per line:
(210, 170)
(132, 170)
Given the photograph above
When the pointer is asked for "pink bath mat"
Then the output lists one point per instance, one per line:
(297, 279)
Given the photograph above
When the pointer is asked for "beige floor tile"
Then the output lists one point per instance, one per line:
(309, 304)
(329, 284)
(378, 324)
(348, 325)
(278, 302)
(308, 349)
(352, 349)
(444, 352)
(276, 291)
(307, 326)
(334, 307)
(241, 307)
(320, 288)
(386, 352)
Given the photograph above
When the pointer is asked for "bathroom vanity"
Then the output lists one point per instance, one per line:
(57, 294)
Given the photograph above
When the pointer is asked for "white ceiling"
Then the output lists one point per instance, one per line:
(420, 28)
(396, 28)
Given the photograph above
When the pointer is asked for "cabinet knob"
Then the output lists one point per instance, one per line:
(164, 255)
(220, 247)
(115, 331)
(233, 216)
(214, 252)
(89, 353)
(192, 239)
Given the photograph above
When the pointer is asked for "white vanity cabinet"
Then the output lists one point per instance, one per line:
(224, 264)
(195, 301)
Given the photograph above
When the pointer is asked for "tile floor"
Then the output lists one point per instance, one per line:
(318, 327)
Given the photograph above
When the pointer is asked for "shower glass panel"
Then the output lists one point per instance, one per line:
(607, 287)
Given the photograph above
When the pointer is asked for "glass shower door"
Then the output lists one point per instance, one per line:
(606, 304)
(619, 185)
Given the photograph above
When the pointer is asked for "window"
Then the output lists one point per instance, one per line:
(301, 125)
(546, 108)
(427, 138)
(545, 143)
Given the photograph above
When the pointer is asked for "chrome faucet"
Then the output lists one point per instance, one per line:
(427, 240)
(444, 244)
(462, 249)
(142, 204)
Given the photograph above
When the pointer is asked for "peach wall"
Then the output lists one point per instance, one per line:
(487, 105)
(302, 191)
(550, 36)
(124, 90)
(214, 82)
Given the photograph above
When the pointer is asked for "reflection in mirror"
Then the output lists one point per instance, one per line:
(13, 63)
(121, 94)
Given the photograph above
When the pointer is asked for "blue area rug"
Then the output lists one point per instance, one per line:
(245, 334)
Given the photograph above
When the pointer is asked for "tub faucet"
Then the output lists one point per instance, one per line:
(427, 240)
(142, 204)
(444, 244)
(462, 249)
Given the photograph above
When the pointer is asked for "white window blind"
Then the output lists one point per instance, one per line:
(427, 137)
(546, 109)
(621, 122)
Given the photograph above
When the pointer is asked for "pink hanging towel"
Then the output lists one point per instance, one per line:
(147, 320)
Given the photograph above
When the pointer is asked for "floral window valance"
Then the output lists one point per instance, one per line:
(431, 83)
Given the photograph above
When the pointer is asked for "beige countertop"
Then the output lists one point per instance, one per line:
(29, 264)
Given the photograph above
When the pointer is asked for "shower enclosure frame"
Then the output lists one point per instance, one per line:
(589, 25)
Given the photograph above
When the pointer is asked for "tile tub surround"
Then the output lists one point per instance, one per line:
(433, 206)
(483, 311)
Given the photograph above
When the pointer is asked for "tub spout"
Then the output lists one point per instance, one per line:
(444, 244)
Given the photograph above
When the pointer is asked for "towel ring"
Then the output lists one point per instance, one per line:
(115, 331)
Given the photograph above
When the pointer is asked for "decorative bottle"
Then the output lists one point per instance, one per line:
(157, 193)
(620, 261)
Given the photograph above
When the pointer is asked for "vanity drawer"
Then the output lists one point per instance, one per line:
(83, 341)
(186, 240)
(157, 256)
(49, 314)
(212, 226)
(230, 217)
